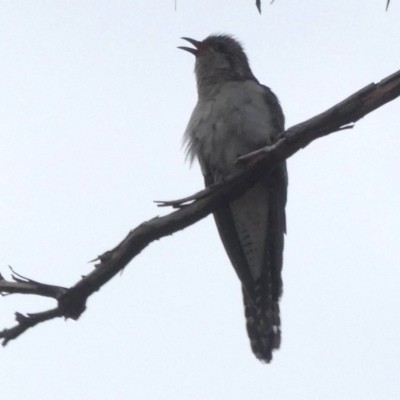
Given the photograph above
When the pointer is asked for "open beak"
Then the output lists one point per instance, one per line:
(195, 43)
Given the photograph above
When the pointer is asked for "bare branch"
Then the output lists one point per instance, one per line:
(23, 285)
(27, 321)
(72, 301)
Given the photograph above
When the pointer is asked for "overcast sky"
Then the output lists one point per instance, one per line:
(94, 99)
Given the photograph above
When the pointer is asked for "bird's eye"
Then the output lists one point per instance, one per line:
(219, 47)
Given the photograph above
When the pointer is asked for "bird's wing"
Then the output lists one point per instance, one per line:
(252, 230)
(255, 223)
(225, 222)
(277, 196)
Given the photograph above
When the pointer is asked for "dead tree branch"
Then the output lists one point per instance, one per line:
(72, 301)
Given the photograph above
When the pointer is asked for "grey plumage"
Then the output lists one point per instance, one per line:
(235, 115)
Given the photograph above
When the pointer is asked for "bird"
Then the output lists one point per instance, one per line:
(236, 115)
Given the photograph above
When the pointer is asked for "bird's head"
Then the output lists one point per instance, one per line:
(219, 58)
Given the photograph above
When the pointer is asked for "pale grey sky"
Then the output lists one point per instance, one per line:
(94, 99)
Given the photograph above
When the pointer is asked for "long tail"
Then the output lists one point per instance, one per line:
(263, 325)
(262, 308)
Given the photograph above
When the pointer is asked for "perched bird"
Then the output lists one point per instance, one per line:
(235, 115)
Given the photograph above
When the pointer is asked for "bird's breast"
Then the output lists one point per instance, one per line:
(231, 121)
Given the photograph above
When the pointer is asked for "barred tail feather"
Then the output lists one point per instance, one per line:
(263, 325)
